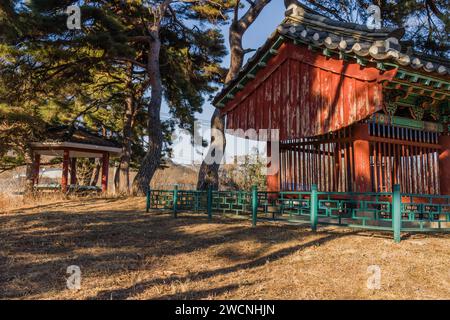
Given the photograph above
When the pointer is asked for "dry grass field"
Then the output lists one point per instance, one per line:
(125, 253)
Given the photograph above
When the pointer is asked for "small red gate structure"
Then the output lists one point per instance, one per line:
(357, 110)
(70, 144)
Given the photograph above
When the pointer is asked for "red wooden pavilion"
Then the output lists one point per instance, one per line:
(357, 110)
(71, 143)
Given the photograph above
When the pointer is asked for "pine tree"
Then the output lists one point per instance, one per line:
(58, 68)
(209, 173)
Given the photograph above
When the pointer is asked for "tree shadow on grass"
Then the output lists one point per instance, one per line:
(197, 294)
(62, 202)
(261, 261)
(37, 248)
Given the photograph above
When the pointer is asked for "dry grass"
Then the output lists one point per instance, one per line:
(125, 253)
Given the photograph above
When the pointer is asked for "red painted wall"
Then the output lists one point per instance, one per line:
(303, 93)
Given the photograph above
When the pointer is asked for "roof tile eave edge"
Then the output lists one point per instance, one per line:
(379, 51)
(69, 144)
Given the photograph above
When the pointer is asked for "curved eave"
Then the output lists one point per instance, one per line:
(364, 47)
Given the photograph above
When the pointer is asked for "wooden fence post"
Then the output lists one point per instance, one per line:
(254, 204)
(396, 213)
(175, 200)
(314, 207)
(147, 209)
(209, 203)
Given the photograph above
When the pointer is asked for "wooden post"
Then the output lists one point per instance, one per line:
(273, 177)
(209, 203)
(65, 171)
(361, 149)
(396, 213)
(36, 166)
(175, 201)
(73, 171)
(314, 207)
(105, 171)
(147, 209)
(254, 205)
(444, 165)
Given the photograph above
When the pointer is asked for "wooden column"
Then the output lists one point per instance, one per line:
(36, 166)
(444, 164)
(273, 170)
(73, 171)
(105, 171)
(65, 171)
(361, 150)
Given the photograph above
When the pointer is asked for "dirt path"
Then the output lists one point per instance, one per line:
(125, 253)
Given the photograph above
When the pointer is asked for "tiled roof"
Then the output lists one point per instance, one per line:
(381, 45)
(78, 135)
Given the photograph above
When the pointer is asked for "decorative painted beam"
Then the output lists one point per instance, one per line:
(407, 122)
(401, 75)
(427, 81)
(420, 77)
(414, 78)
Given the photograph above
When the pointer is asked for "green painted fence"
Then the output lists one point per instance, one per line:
(393, 212)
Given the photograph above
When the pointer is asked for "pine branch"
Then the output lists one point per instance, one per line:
(430, 4)
(252, 13)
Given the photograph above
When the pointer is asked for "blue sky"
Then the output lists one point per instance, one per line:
(271, 16)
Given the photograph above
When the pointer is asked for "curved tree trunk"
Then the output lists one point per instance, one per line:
(29, 173)
(122, 176)
(208, 175)
(152, 159)
(95, 172)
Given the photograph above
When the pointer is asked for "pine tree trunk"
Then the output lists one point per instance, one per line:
(95, 172)
(152, 158)
(122, 176)
(29, 173)
(208, 175)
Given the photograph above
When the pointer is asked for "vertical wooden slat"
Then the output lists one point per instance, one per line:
(302, 165)
(396, 163)
(383, 159)
(338, 161)
(380, 167)
(289, 161)
(410, 168)
(434, 172)
(422, 171)
(427, 169)
(330, 168)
